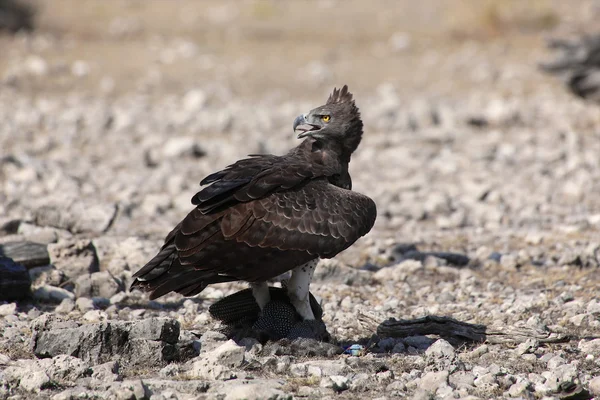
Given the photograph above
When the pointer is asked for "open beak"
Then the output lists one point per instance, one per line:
(302, 126)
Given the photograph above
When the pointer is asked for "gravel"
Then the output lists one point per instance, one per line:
(488, 212)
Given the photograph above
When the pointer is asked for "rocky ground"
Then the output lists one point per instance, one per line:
(109, 123)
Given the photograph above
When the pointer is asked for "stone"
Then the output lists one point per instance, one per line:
(8, 309)
(98, 284)
(34, 381)
(589, 346)
(338, 383)
(66, 306)
(149, 342)
(559, 375)
(318, 368)
(229, 354)
(398, 272)
(84, 304)
(440, 349)
(249, 390)
(462, 380)
(529, 346)
(132, 390)
(219, 363)
(432, 381)
(593, 308)
(485, 381)
(479, 351)
(555, 362)
(594, 386)
(520, 388)
(107, 372)
(334, 271)
(210, 340)
(77, 216)
(35, 375)
(52, 294)
(579, 319)
(47, 275)
(74, 257)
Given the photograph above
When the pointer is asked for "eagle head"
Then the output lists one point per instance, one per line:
(336, 121)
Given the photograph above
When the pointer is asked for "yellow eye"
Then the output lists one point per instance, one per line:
(325, 118)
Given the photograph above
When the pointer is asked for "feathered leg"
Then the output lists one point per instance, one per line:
(260, 291)
(298, 289)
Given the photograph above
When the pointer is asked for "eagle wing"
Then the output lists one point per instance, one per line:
(256, 238)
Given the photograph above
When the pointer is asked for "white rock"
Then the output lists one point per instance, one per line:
(589, 346)
(95, 316)
(8, 309)
(555, 362)
(338, 383)
(593, 307)
(399, 272)
(440, 349)
(52, 294)
(255, 391)
(34, 381)
(594, 386)
(562, 373)
(218, 363)
(520, 387)
(65, 306)
(432, 381)
(36, 65)
(579, 319)
(194, 100)
(84, 304)
(80, 68)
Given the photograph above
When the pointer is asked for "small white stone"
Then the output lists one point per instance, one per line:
(594, 386)
(8, 309)
(338, 383)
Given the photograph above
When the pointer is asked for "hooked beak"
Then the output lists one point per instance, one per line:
(305, 129)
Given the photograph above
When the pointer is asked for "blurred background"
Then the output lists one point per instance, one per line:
(258, 48)
(131, 102)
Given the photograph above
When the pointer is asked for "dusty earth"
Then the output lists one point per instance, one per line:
(112, 112)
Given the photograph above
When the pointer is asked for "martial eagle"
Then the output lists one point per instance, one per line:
(266, 214)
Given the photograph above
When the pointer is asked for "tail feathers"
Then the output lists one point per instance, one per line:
(164, 274)
(159, 265)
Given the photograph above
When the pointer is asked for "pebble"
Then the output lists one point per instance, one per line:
(8, 309)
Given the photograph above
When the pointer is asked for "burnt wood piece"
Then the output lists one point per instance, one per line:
(28, 254)
(449, 327)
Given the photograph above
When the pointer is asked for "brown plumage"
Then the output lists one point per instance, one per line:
(267, 214)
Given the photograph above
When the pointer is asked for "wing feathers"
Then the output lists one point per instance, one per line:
(258, 218)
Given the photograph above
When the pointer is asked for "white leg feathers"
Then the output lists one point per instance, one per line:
(298, 288)
(260, 291)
